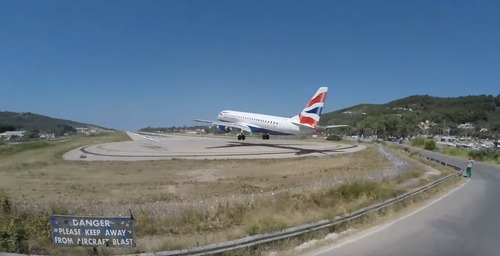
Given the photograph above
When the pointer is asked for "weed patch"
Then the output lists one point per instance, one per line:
(489, 155)
(13, 149)
(418, 142)
(27, 231)
(150, 185)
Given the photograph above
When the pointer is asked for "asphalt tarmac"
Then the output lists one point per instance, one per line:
(148, 147)
(465, 222)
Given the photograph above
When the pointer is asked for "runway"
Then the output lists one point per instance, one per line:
(147, 147)
(465, 222)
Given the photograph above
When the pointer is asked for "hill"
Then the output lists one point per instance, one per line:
(29, 122)
(402, 116)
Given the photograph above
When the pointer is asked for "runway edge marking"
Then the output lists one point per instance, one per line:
(144, 137)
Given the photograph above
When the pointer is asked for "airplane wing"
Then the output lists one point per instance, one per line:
(228, 124)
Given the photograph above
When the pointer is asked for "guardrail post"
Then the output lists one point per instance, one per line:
(303, 229)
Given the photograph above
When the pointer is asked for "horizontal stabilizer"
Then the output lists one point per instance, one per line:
(335, 126)
(300, 124)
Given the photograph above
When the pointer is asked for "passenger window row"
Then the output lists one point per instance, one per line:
(254, 119)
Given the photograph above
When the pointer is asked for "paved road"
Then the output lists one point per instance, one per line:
(464, 223)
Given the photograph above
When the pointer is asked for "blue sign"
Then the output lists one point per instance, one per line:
(93, 231)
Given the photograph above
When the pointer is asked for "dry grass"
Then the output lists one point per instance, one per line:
(415, 157)
(222, 222)
(443, 169)
(360, 224)
(41, 175)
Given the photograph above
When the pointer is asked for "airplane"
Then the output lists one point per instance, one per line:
(304, 123)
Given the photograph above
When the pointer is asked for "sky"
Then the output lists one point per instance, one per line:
(132, 64)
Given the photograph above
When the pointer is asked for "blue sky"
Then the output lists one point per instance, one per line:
(131, 64)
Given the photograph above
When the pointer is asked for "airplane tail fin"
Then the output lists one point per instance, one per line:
(311, 113)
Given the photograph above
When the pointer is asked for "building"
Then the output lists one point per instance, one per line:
(9, 134)
(82, 130)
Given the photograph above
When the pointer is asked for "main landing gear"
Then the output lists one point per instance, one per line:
(265, 137)
(241, 137)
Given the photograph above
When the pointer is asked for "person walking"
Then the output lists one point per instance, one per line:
(470, 163)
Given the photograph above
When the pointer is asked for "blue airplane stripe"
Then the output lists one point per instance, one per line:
(315, 111)
(312, 111)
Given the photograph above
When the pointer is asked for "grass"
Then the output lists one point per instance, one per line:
(16, 148)
(443, 169)
(39, 183)
(40, 175)
(484, 155)
(408, 175)
(288, 247)
(26, 231)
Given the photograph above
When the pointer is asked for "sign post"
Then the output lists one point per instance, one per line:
(93, 231)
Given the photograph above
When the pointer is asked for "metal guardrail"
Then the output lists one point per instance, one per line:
(303, 229)
(300, 230)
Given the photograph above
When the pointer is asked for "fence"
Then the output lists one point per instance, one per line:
(262, 239)
(304, 229)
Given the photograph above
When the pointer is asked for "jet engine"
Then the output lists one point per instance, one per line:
(320, 129)
(224, 128)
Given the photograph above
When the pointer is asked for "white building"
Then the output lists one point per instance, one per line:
(9, 134)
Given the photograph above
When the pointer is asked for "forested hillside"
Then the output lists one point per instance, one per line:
(403, 116)
(29, 122)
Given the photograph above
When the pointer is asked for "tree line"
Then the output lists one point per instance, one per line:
(409, 124)
(60, 130)
(404, 117)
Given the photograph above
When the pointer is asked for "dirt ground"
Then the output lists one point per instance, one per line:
(40, 175)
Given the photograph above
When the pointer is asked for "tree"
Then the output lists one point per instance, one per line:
(63, 129)
(430, 145)
(391, 124)
(372, 125)
(424, 126)
(467, 127)
(7, 128)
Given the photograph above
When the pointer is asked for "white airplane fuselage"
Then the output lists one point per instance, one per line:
(307, 122)
(273, 125)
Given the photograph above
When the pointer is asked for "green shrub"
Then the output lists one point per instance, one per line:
(485, 154)
(22, 230)
(430, 145)
(418, 142)
(334, 138)
(464, 153)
